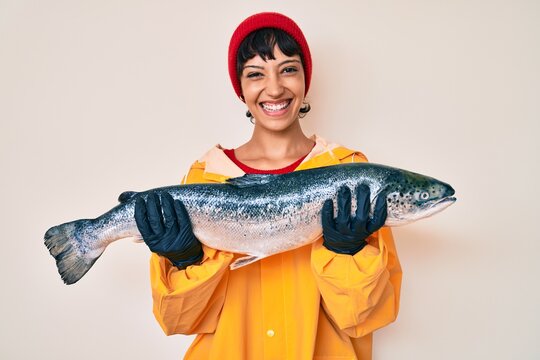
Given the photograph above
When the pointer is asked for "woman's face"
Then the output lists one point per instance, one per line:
(274, 89)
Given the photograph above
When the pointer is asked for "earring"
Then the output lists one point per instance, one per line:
(306, 107)
(250, 116)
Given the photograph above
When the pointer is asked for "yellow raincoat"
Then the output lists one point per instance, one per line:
(307, 303)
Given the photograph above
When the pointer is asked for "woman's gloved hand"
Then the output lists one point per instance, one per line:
(347, 234)
(170, 234)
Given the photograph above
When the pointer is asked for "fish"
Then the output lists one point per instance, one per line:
(255, 215)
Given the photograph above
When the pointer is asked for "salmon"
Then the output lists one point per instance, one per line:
(255, 215)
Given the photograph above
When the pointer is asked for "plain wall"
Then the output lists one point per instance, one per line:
(99, 97)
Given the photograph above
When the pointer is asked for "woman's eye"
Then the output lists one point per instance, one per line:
(252, 75)
(290, 69)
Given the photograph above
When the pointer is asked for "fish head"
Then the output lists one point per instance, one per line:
(412, 196)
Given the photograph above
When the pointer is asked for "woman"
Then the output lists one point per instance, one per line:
(319, 301)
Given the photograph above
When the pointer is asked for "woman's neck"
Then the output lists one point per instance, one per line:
(272, 150)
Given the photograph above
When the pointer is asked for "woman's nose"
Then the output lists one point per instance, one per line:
(274, 87)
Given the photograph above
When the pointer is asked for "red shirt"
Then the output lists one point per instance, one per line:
(250, 170)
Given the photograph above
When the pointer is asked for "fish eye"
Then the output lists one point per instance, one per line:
(424, 195)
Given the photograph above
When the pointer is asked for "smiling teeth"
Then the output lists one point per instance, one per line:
(275, 107)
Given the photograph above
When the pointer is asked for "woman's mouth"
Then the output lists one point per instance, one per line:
(275, 108)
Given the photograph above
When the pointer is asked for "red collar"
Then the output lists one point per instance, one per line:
(249, 170)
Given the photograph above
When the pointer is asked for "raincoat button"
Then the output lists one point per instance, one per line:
(270, 333)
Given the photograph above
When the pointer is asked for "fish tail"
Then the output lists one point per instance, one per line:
(73, 258)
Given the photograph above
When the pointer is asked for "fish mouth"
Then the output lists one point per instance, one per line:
(425, 210)
(436, 206)
(446, 200)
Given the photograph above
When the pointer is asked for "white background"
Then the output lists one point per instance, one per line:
(99, 97)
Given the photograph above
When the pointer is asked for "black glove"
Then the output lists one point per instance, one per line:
(170, 234)
(347, 234)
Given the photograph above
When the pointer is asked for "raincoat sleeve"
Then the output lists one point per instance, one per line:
(189, 301)
(360, 293)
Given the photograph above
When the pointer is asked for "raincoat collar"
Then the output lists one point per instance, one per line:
(218, 166)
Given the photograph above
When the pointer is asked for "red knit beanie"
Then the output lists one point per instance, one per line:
(267, 20)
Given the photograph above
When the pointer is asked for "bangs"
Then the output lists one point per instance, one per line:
(262, 43)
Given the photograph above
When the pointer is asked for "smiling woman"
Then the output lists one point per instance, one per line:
(270, 69)
(273, 90)
(275, 87)
(317, 301)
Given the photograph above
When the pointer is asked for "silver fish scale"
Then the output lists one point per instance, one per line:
(259, 219)
(254, 215)
(266, 219)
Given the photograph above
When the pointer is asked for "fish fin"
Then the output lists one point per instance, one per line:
(63, 245)
(126, 196)
(243, 261)
(251, 180)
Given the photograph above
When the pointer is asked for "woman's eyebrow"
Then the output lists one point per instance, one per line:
(254, 66)
(281, 63)
(289, 61)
